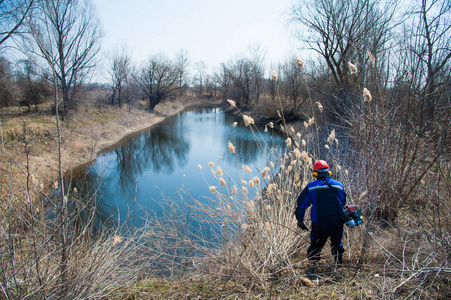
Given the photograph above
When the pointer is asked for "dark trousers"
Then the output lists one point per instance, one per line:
(318, 236)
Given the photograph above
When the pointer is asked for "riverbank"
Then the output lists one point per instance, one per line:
(83, 134)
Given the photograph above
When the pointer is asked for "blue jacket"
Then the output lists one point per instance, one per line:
(327, 204)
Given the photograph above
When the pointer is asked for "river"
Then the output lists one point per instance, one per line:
(171, 161)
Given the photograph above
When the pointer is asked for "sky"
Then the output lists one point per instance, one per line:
(212, 31)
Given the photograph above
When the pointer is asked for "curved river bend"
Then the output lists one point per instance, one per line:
(133, 177)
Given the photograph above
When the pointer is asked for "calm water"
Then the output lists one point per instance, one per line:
(139, 173)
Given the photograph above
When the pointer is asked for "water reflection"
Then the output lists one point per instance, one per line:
(158, 151)
(141, 170)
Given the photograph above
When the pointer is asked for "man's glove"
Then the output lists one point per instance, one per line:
(302, 225)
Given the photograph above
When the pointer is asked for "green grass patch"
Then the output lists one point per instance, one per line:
(103, 116)
(40, 121)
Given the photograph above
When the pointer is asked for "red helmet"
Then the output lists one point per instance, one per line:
(320, 164)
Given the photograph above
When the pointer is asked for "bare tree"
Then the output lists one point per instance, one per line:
(66, 36)
(241, 74)
(158, 79)
(339, 30)
(34, 89)
(257, 59)
(246, 75)
(200, 77)
(223, 81)
(120, 72)
(430, 49)
(182, 64)
(8, 94)
(291, 76)
(65, 41)
(12, 15)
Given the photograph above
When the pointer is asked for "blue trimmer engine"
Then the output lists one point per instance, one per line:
(352, 216)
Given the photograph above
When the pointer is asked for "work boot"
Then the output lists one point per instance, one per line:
(338, 261)
(312, 269)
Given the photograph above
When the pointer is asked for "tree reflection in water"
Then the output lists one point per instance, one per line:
(142, 170)
(158, 150)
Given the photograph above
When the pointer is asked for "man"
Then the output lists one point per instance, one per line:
(327, 198)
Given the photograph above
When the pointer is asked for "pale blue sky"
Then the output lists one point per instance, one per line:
(213, 31)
